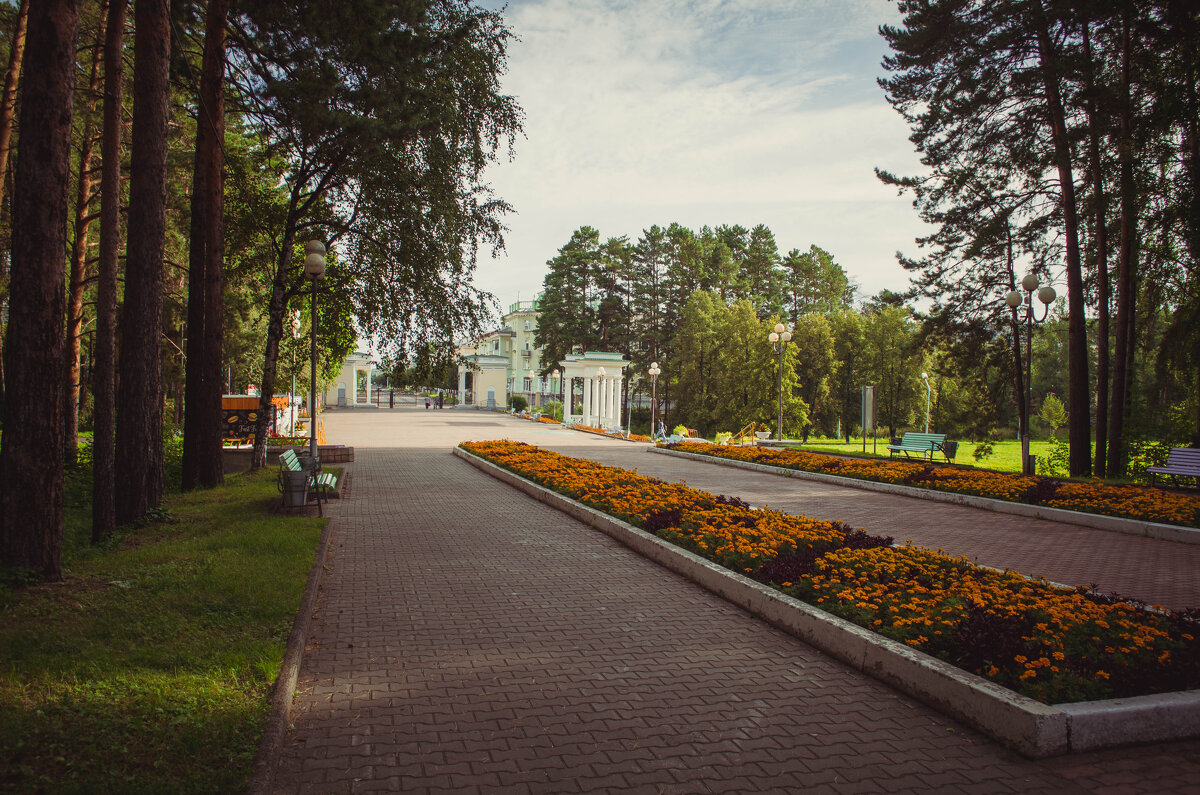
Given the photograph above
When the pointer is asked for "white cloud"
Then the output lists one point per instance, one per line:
(751, 111)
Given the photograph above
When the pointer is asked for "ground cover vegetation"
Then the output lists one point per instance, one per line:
(1051, 644)
(364, 124)
(1059, 139)
(1129, 501)
(149, 666)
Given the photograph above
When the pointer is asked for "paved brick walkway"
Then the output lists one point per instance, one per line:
(470, 639)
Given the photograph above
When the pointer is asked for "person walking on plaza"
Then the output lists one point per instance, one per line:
(427, 402)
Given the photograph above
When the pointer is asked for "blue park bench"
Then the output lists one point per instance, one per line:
(924, 443)
(318, 482)
(1181, 462)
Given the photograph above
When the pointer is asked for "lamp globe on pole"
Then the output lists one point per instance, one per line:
(779, 339)
(1024, 303)
(654, 373)
(314, 268)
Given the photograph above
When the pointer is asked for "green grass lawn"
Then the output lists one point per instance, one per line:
(1006, 458)
(149, 667)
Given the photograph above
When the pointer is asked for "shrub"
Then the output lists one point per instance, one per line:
(518, 403)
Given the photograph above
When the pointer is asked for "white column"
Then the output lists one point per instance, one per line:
(598, 401)
(368, 384)
(608, 401)
(602, 402)
(462, 386)
(601, 398)
(611, 403)
(618, 381)
(587, 401)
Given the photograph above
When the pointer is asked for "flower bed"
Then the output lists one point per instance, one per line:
(1051, 644)
(1133, 502)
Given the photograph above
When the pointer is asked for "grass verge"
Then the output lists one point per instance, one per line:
(1005, 455)
(149, 667)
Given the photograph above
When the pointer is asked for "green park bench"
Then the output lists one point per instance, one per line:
(1181, 462)
(924, 443)
(318, 482)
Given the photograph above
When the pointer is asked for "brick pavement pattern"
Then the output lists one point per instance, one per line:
(470, 639)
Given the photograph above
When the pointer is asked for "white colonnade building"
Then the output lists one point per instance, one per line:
(601, 376)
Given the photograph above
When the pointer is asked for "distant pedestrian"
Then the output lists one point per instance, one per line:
(427, 402)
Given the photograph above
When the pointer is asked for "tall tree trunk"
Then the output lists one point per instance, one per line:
(1100, 268)
(202, 460)
(139, 449)
(275, 309)
(31, 470)
(104, 520)
(1078, 403)
(11, 78)
(8, 104)
(81, 226)
(1126, 266)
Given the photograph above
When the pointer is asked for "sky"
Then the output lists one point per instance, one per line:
(643, 112)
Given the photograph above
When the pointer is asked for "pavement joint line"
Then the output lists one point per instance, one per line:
(1031, 728)
(1114, 524)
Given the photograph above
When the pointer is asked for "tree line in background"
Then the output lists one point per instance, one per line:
(1063, 137)
(687, 300)
(169, 160)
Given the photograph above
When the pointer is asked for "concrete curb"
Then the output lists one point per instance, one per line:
(1113, 524)
(262, 778)
(1029, 727)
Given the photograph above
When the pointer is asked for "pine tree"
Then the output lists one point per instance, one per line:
(31, 529)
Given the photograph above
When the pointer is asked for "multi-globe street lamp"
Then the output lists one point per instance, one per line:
(314, 268)
(654, 373)
(1016, 300)
(779, 338)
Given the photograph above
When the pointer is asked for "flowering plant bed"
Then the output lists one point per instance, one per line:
(1129, 501)
(1042, 641)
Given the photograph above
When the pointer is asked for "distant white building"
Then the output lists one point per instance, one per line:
(510, 347)
(352, 387)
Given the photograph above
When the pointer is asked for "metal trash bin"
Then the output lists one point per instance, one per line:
(295, 489)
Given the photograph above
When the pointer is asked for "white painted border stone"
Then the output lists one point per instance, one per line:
(1115, 524)
(1029, 727)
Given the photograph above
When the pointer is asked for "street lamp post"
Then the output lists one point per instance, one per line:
(1014, 299)
(314, 268)
(654, 373)
(925, 378)
(779, 338)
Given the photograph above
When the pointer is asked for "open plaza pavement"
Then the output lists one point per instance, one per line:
(468, 638)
